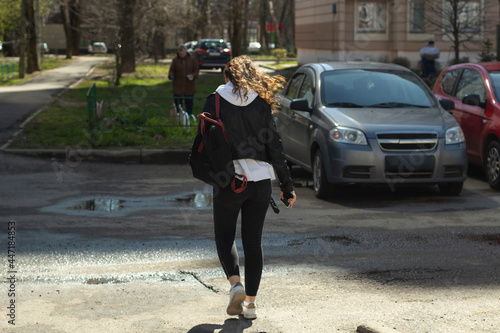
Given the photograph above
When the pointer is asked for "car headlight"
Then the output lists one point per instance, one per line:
(454, 135)
(348, 135)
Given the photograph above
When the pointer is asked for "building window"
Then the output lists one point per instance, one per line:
(417, 16)
(371, 17)
(467, 16)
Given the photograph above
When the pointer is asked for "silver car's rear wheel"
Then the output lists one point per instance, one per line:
(492, 164)
(322, 188)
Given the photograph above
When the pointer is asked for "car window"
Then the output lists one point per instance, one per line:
(369, 88)
(213, 45)
(471, 82)
(495, 82)
(294, 86)
(449, 80)
(306, 91)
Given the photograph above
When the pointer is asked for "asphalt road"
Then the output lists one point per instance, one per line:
(129, 248)
(115, 247)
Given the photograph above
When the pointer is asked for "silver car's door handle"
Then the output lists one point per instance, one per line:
(293, 115)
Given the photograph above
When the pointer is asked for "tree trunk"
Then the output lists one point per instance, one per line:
(245, 27)
(262, 24)
(75, 23)
(277, 41)
(32, 57)
(22, 47)
(67, 27)
(127, 35)
(292, 16)
(236, 36)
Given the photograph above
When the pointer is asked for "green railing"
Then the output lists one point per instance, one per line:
(8, 70)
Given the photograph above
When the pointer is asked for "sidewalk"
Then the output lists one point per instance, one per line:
(20, 103)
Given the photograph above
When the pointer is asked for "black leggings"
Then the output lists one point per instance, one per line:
(253, 204)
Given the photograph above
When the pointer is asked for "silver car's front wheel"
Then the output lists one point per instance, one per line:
(492, 164)
(322, 188)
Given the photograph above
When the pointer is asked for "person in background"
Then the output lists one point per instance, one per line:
(246, 105)
(183, 72)
(429, 54)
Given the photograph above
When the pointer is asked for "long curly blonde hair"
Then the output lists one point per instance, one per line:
(245, 77)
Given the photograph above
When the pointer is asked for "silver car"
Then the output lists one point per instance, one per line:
(369, 123)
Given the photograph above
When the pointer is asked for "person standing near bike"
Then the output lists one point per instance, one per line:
(183, 73)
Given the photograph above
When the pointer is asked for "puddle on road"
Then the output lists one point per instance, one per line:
(101, 204)
(119, 206)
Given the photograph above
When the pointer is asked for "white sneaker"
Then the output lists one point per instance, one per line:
(249, 311)
(236, 297)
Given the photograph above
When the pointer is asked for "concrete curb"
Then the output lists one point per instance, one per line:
(127, 156)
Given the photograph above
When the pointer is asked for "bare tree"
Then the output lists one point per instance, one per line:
(64, 6)
(458, 21)
(22, 54)
(236, 36)
(262, 25)
(125, 9)
(75, 19)
(30, 35)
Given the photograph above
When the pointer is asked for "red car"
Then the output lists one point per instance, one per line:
(475, 90)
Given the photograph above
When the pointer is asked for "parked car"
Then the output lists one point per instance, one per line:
(475, 89)
(191, 46)
(98, 47)
(212, 53)
(369, 123)
(254, 47)
(44, 48)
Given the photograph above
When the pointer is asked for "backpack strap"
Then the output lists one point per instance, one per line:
(217, 105)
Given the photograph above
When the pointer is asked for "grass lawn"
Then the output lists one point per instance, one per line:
(46, 63)
(135, 114)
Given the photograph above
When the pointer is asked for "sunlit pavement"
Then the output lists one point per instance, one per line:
(121, 248)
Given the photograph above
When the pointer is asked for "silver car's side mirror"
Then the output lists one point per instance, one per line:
(300, 104)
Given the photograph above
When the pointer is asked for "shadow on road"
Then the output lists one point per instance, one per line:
(230, 326)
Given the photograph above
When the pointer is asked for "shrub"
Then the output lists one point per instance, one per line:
(402, 61)
(280, 54)
(486, 55)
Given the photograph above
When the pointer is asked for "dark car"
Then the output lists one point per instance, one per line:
(212, 53)
(475, 90)
(369, 123)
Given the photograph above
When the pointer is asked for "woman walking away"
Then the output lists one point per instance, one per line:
(246, 103)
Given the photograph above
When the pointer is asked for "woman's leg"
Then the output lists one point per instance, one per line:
(226, 209)
(253, 214)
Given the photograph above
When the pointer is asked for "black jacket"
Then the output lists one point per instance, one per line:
(252, 134)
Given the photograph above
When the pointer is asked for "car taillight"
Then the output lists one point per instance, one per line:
(226, 50)
(201, 51)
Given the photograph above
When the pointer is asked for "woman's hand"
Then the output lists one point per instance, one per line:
(290, 200)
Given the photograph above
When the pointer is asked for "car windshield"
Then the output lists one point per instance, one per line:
(374, 89)
(214, 45)
(495, 82)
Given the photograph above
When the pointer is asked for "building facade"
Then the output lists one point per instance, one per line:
(383, 30)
